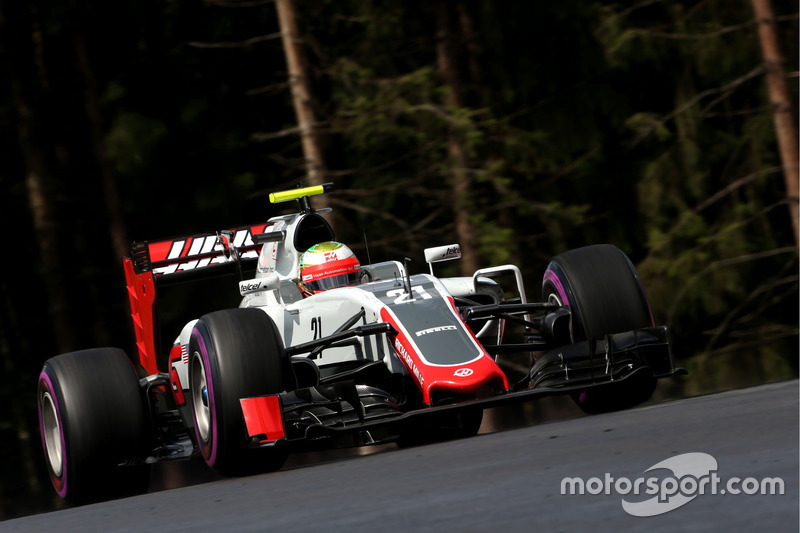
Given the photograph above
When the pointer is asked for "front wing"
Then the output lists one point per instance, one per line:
(620, 364)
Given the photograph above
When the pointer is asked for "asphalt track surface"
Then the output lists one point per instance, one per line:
(505, 480)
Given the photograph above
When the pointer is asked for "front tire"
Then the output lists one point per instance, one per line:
(234, 354)
(93, 419)
(605, 295)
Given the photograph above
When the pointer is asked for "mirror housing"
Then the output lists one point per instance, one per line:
(439, 254)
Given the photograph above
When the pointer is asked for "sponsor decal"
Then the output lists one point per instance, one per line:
(412, 367)
(447, 252)
(690, 475)
(435, 330)
(452, 250)
(324, 269)
(200, 245)
(179, 354)
(326, 273)
(254, 285)
(463, 372)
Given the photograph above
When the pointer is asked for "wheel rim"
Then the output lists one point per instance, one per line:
(202, 413)
(51, 430)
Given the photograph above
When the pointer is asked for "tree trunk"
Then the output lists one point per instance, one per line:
(446, 59)
(472, 46)
(118, 234)
(27, 79)
(14, 26)
(301, 93)
(12, 344)
(783, 115)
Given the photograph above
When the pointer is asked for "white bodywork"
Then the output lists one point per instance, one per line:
(300, 320)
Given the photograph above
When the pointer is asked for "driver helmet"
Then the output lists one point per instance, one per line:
(327, 265)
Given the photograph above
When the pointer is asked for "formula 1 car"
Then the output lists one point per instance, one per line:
(390, 356)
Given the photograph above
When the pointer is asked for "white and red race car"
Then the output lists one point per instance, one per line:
(394, 357)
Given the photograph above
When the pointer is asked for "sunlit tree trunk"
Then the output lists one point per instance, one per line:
(301, 95)
(783, 114)
(460, 180)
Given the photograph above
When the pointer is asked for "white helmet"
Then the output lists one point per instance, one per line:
(326, 266)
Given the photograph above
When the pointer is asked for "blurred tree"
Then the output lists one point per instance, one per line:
(533, 127)
(117, 230)
(446, 63)
(31, 91)
(302, 96)
(718, 260)
(785, 115)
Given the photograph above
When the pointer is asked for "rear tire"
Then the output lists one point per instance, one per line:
(605, 295)
(234, 354)
(93, 417)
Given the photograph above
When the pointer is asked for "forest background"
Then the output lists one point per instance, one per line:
(519, 129)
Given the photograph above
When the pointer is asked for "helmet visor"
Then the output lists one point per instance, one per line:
(333, 282)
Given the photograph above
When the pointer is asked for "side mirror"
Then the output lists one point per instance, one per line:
(269, 282)
(442, 253)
